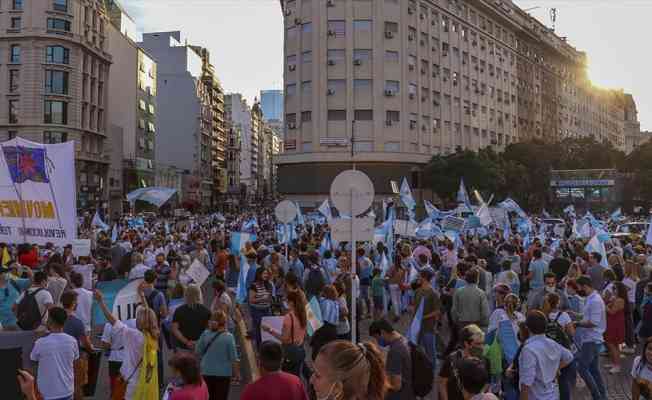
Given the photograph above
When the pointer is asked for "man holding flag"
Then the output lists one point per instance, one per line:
(398, 365)
(431, 312)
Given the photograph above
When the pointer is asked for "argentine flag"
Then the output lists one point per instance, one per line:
(415, 326)
(239, 239)
(97, 221)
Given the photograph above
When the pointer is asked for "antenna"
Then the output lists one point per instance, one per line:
(553, 18)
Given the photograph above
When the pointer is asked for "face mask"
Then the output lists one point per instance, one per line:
(476, 351)
(550, 289)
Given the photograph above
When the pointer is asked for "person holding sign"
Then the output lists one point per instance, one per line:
(135, 340)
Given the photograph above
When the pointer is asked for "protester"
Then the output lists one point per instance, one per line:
(642, 373)
(471, 345)
(189, 320)
(275, 384)
(345, 370)
(561, 319)
(535, 301)
(398, 365)
(10, 289)
(470, 304)
(84, 300)
(474, 379)
(76, 328)
(218, 357)
(615, 332)
(424, 293)
(190, 385)
(260, 301)
(27, 315)
(55, 355)
(293, 333)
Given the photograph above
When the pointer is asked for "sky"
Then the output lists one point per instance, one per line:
(245, 38)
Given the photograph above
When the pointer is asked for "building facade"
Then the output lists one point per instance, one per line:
(271, 101)
(633, 134)
(55, 68)
(401, 81)
(133, 107)
(185, 117)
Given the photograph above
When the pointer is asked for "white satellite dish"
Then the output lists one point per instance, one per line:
(285, 211)
(352, 192)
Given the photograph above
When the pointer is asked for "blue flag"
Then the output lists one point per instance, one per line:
(238, 241)
(114, 233)
(407, 199)
(241, 289)
(415, 326)
(26, 164)
(97, 221)
(648, 235)
(463, 195)
(109, 290)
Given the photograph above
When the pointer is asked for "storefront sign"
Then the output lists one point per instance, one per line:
(583, 183)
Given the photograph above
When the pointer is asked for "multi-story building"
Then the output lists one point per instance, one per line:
(271, 101)
(633, 134)
(133, 108)
(234, 143)
(55, 68)
(401, 81)
(185, 117)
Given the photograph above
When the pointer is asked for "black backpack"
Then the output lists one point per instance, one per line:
(28, 315)
(315, 282)
(556, 332)
(423, 372)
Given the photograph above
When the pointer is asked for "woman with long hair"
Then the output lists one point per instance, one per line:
(343, 327)
(347, 371)
(218, 357)
(630, 280)
(260, 300)
(642, 373)
(139, 344)
(293, 333)
(506, 309)
(395, 277)
(190, 384)
(615, 333)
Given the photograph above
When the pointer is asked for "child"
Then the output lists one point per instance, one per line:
(377, 289)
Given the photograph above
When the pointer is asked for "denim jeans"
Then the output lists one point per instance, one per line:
(588, 365)
(428, 341)
(567, 378)
(257, 315)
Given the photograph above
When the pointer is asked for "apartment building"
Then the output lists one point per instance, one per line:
(132, 111)
(185, 118)
(401, 81)
(55, 67)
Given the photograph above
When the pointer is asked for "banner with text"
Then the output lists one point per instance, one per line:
(37, 192)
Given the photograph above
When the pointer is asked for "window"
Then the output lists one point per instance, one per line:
(58, 24)
(412, 89)
(141, 123)
(142, 105)
(336, 28)
(50, 137)
(13, 111)
(292, 33)
(292, 60)
(362, 25)
(15, 54)
(335, 55)
(150, 127)
(17, 4)
(306, 57)
(306, 27)
(14, 80)
(60, 5)
(362, 54)
(15, 22)
(56, 82)
(56, 112)
(306, 89)
(394, 116)
(336, 85)
(337, 115)
(391, 27)
(391, 56)
(394, 86)
(306, 116)
(150, 108)
(359, 84)
(291, 89)
(364, 115)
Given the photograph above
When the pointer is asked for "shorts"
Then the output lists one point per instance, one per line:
(378, 303)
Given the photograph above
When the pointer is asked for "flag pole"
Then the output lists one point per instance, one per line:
(19, 194)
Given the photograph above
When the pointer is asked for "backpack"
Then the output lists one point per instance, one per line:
(150, 301)
(423, 371)
(315, 282)
(555, 332)
(28, 315)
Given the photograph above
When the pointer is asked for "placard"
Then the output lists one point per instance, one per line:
(559, 230)
(126, 301)
(405, 228)
(81, 247)
(276, 323)
(198, 272)
(451, 223)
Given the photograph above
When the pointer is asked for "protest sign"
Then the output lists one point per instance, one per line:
(38, 201)
(405, 228)
(198, 272)
(110, 290)
(81, 247)
(452, 223)
(276, 323)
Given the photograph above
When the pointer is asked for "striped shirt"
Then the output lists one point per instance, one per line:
(262, 295)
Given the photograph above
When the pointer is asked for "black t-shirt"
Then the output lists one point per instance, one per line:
(450, 364)
(192, 320)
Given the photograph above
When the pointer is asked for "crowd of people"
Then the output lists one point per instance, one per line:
(489, 316)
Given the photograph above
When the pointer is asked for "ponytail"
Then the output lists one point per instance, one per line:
(377, 378)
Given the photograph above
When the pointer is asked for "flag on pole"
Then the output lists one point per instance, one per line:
(97, 221)
(484, 215)
(616, 215)
(313, 316)
(241, 289)
(507, 230)
(325, 209)
(510, 205)
(463, 195)
(239, 239)
(415, 326)
(114, 233)
(596, 246)
(407, 199)
(300, 219)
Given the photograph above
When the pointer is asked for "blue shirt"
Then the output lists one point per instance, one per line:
(538, 268)
(296, 267)
(218, 358)
(539, 362)
(8, 296)
(330, 311)
(251, 275)
(364, 268)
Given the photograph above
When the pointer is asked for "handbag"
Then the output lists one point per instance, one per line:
(292, 353)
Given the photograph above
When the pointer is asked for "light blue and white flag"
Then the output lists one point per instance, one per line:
(616, 215)
(313, 316)
(427, 229)
(114, 233)
(510, 205)
(250, 225)
(648, 235)
(570, 210)
(241, 289)
(596, 246)
(325, 210)
(239, 239)
(602, 235)
(300, 219)
(507, 230)
(325, 244)
(463, 195)
(545, 214)
(407, 199)
(97, 221)
(413, 331)
(484, 215)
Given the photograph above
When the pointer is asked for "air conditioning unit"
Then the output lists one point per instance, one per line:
(292, 67)
(331, 33)
(389, 34)
(410, 37)
(422, 16)
(330, 3)
(292, 125)
(413, 124)
(288, 12)
(357, 62)
(411, 96)
(389, 93)
(331, 62)
(330, 92)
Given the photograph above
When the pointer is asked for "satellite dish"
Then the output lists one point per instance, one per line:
(352, 192)
(285, 211)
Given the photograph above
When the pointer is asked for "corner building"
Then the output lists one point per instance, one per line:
(410, 79)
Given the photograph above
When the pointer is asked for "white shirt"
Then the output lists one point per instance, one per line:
(117, 345)
(539, 362)
(43, 298)
(499, 315)
(138, 271)
(641, 371)
(134, 341)
(595, 312)
(84, 304)
(564, 318)
(55, 355)
(87, 272)
(631, 289)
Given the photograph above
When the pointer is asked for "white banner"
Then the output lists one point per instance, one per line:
(405, 228)
(38, 201)
(454, 224)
